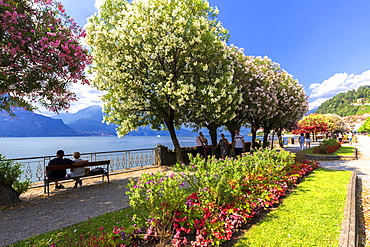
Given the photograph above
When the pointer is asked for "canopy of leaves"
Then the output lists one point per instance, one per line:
(352, 102)
(156, 58)
(365, 127)
(40, 55)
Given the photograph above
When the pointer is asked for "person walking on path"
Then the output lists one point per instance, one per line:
(202, 143)
(301, 141)
(307, 139)
(238, 143)
(224, 146)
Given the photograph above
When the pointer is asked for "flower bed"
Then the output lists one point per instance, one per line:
(219, 197)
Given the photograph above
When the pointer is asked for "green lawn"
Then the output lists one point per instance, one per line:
(310, 216)
(345, 151)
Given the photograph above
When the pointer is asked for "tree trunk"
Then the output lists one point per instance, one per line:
(8, 195)
(265, 137)
(176, 144)
(213, 135)
(279, 135)
(272, 139)
(254, 135)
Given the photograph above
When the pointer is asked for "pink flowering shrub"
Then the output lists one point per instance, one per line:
(40, 55)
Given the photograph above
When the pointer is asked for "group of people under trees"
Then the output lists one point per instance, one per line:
(238, 145)
(75, 172)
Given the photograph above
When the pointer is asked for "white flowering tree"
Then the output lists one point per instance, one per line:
(215, 101)
(268, 94)
(151, 57)
(291, 105)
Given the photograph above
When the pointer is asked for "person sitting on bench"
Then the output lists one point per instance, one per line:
(59, 160)
(77, 172)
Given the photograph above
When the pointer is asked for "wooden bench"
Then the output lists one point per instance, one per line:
(103, 163)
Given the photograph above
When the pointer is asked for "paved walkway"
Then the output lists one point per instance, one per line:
(71, 206)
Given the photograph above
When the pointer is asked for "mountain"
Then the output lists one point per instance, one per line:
(88, 121)
(353, 102)
(28, 124)
(93, 112)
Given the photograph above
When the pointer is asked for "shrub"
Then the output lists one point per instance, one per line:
(327, 147)
(10, 172)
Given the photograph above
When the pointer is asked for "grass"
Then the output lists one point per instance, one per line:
(345, 151)
(83, 232)
(310, 216)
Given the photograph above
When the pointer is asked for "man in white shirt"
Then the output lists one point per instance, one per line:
(238, 143)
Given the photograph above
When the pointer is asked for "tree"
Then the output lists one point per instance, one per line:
(291, 105)
(335, 123)
(260, 82)
(314, 124)
(215, 102)
(152, 57)
(365, 127)
(40, 55)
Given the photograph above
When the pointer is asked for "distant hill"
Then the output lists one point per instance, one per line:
(88, 121)
(353, 102)
(93, 112)
(28, 124)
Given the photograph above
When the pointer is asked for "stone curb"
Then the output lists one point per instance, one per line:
(332, 157)
(349, 233)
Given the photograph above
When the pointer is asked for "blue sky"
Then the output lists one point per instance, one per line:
(325, 44)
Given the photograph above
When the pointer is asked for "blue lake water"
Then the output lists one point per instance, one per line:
(24, 147)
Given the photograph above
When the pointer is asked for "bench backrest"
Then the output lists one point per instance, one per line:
(93, 163)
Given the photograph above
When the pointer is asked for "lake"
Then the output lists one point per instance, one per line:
(24, 147)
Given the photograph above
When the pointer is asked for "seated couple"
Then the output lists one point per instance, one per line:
(75, 172)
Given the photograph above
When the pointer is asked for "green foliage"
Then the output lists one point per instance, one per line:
(10, 173)
(155, 199)
(311, 216)
(341, 103)
(365, 127)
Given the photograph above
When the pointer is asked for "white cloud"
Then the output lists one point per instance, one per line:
(98, 3)
(316, 103)
(87, 96)
(338, 83)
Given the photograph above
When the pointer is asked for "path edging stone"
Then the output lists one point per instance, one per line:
(349, 233)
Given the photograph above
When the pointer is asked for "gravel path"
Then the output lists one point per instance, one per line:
(39, 214)
(70, 206)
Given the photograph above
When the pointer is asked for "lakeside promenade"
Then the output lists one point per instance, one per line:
(94, 198)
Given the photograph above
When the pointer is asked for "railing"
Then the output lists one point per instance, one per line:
(34, 167)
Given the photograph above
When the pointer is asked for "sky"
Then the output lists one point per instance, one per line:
(324, 44)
